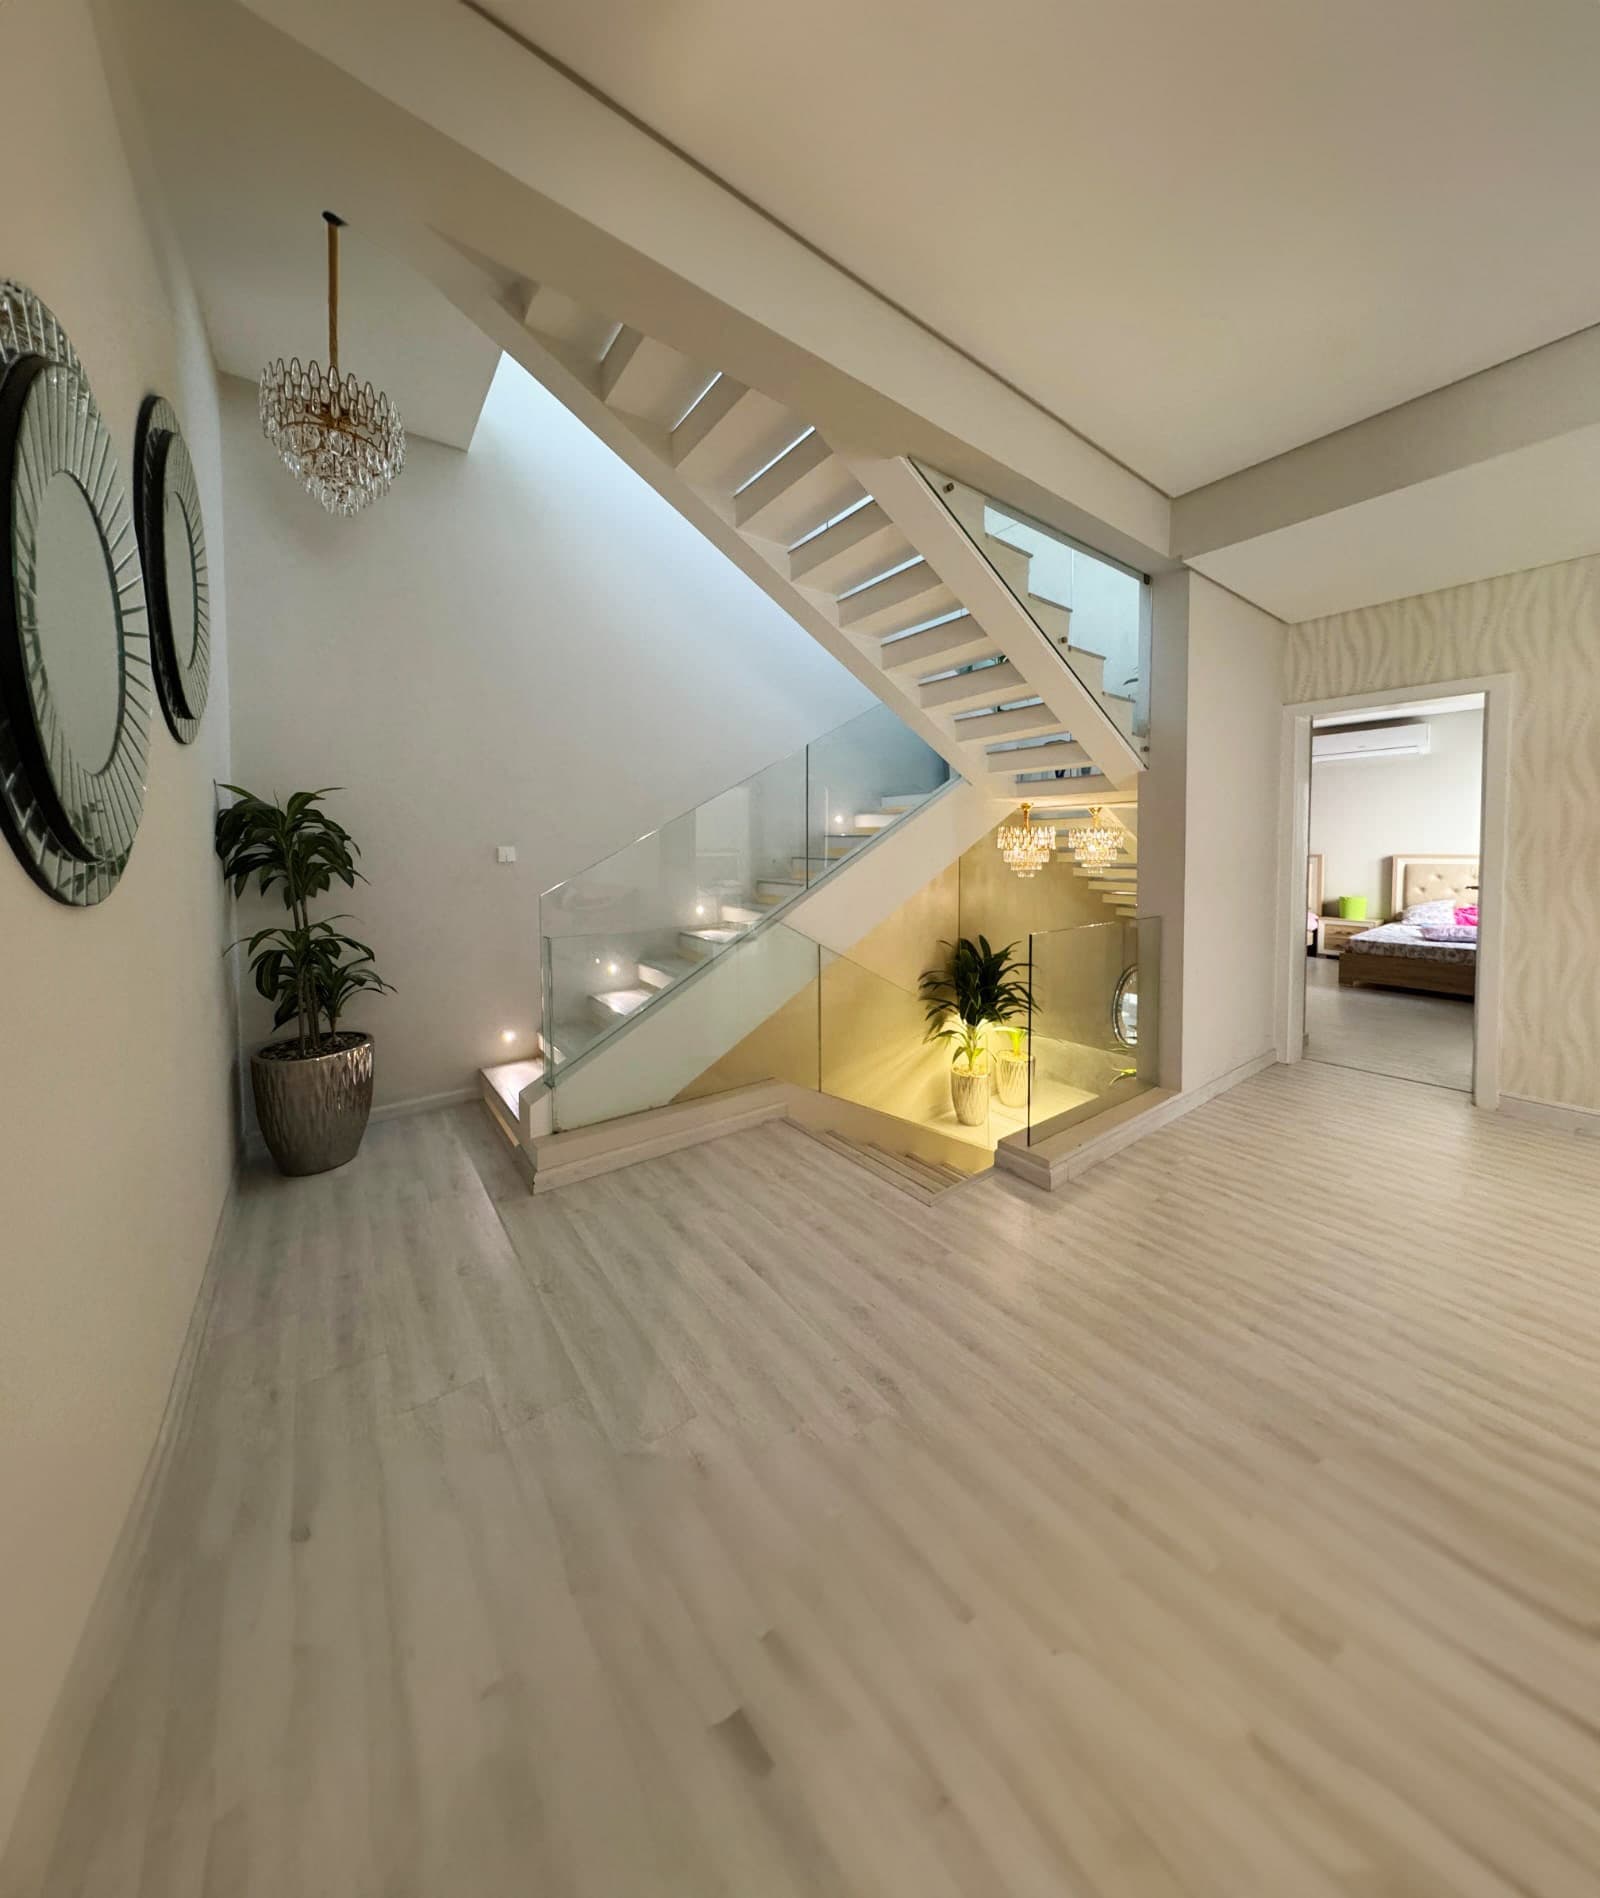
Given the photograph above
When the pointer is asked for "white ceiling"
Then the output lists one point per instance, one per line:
(1201, 235)
(245, 190)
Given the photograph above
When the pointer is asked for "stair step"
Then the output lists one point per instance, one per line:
(701, 944)
(508, 1079)
(797, 494)
(837, 850)
(911, 1175)
(618, 1004)
(661, 972)
(1026, 721)
(742, 913)
(850, 552)
(554, 316)
(1064, 754)
(729, 435)
(894, 605)
(902, 800)
(650, 379)
(780, 889)
(947, 644)
(874, 820)
(988, 685)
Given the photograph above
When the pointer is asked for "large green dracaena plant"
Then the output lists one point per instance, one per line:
(977, 985)
(307, 970)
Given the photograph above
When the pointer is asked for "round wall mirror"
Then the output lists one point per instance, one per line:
(172, 535)
(74, 659)
(79, 652)
(1125, 1008)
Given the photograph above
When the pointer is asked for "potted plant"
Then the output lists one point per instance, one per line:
(313, 1090)
(976, 986)
(1012, 1066)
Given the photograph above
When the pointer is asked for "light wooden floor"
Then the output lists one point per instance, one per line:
(737, 1527)
(1387, 1031)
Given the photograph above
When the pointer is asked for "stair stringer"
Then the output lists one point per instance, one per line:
(576, 385)
(650, 1060)
(905, 496)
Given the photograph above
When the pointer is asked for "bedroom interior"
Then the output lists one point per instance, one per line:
(1392, 889)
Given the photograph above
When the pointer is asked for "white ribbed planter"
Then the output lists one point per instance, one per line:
(969, 1095)
(1011, 1073)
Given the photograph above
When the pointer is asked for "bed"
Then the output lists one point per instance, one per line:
(1397, 955)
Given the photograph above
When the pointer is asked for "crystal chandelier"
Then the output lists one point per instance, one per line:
(1096, 843)
(342, 438)
(1025, 846)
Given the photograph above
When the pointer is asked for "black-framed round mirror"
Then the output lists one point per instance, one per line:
(74, 657)
(1125, 1008)
(172, 539)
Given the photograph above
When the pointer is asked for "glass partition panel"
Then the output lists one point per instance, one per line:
(1093, 610)
(861, 777)
(874, 1051)
(618, 937)
(748, 1014)
(1091, 1038)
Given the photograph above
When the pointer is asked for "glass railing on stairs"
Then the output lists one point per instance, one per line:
(1093, 610)
(778, 1006)
(624, 932)
(1092, 1036)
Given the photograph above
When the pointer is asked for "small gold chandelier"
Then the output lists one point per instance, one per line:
(1027, 847)
(1096, 843)
(342, 438)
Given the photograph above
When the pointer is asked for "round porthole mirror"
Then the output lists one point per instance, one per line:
(74, 658)
(172, 536)
(1125, 1008)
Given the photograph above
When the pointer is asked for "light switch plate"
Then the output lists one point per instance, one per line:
(505, 853)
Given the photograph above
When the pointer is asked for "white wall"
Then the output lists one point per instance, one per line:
(116, 1129)
(1208, 823)
(1542, 627)
(523, 644)
(1364, 811)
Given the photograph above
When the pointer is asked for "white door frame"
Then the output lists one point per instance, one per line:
(1295, 845)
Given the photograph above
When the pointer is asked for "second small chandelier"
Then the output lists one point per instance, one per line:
(1096, 843)
(340, 436)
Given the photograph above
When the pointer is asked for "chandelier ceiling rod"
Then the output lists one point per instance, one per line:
(333, 222)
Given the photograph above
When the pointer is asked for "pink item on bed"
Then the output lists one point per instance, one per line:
(1467, 915)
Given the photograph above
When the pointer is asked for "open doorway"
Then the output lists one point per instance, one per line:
(1393, 889)
(1395, 812)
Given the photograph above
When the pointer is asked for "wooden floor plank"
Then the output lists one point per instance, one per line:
(738, 1524)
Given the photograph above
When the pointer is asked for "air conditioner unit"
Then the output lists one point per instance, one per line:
(1407, 739)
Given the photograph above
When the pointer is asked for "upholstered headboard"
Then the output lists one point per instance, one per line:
(1431, 880)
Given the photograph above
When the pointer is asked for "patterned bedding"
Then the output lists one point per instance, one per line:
(1403, 939)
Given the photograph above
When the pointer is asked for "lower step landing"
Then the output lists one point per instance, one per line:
(923, 1179)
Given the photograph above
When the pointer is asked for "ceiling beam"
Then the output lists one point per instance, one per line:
(1533, 398)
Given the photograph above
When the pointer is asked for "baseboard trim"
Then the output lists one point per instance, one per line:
(255, 1148)
(424, 1103)
(1067, 1156)
(1572, 1120)
(25, 1854)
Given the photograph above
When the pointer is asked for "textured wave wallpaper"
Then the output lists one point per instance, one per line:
(1544, 626)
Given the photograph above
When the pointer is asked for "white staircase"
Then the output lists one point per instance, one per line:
(861, 552)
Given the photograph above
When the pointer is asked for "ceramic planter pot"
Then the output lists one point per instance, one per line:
(1011, 1075)
(313, 1108)
(969, 1095)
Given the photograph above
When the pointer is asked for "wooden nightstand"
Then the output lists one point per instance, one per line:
(1333, 932)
